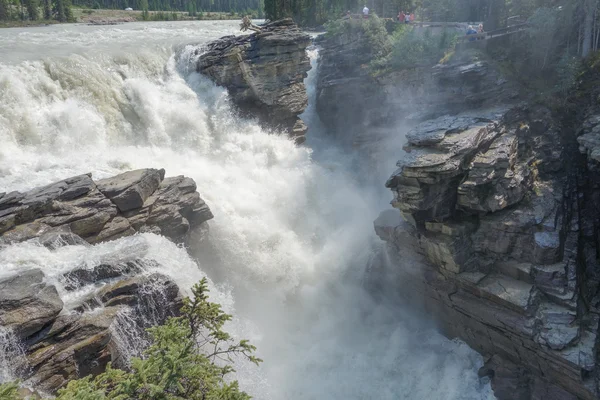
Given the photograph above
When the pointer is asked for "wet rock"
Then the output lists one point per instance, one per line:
(73, 346)
(84, 276)
(264, 73)
(27, 303)
(56, 239)
(113, 208)
(131, 189)
(82, 342)
(172, 209)
(427, 184)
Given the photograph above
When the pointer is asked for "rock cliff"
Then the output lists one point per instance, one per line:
(493, 226)
(264, 73)
(353, 102)
(497, 231)
(54, 340)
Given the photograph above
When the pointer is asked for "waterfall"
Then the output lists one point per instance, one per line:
(292, 236)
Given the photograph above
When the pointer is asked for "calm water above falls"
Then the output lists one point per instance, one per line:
(292, 234)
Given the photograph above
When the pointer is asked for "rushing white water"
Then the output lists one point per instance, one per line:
(292, 234)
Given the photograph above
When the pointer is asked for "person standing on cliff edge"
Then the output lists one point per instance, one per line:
(365, 12)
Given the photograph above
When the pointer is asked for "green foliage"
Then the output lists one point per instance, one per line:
(372, 31)
(191, 7)
(8, 391)
(542, 29)
(4, 10)
(567, 71)
(412, 48)
(32, 8)
(189, 358)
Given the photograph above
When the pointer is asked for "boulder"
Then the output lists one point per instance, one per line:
(427, 183)
(73, 346)
(82, 342)
(131, 189)
(78, 210)
(27, 302)
(264, 73)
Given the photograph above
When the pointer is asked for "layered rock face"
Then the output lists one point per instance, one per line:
(353, 103)
(496, 242)
(97, 211)
(264, 73)
(53, 340)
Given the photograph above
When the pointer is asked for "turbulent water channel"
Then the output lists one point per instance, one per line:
(292, 238)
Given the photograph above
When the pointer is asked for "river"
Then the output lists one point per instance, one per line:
(288, 249)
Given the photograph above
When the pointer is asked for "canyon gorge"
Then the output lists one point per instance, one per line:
(276, 150)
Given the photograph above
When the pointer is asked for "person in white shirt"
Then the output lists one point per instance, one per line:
(366, 12)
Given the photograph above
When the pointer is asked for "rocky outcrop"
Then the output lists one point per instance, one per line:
(97, 211)
(27, 303)
(496, 243)
(264, 73)
(107, 301)
(354, 102)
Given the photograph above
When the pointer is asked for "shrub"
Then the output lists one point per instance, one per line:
(412, 48)
(188, 358)
(376, 39)
(8, 391)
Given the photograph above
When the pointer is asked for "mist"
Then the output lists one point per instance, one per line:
(289, 250)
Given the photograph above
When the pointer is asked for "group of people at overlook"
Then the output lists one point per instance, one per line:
(409, 17)
(405, 17)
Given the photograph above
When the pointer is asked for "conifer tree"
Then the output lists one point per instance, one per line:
(47, 10)
(4, 11)
(32, 8)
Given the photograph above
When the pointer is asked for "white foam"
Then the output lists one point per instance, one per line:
(292, 233)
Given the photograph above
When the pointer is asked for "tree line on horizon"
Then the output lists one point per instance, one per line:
(190, 6)
(494, 14)
(33, 10)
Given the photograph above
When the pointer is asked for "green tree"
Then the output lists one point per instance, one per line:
(32, 8)
(189, 358)
(9, 391)
(4, 10)
(47, 10)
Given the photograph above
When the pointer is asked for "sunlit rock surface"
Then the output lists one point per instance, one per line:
(135, 201)
(264, 73)
(498, 244)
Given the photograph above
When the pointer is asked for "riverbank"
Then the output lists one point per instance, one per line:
(114, 17)
(21, 24)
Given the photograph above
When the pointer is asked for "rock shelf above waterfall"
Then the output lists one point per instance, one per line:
(135, 201)
(264, 73)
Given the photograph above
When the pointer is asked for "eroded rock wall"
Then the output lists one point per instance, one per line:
(353, 100)
(494, 225)
(264, 73)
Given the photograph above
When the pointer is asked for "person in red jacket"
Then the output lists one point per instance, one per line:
(401, 16)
